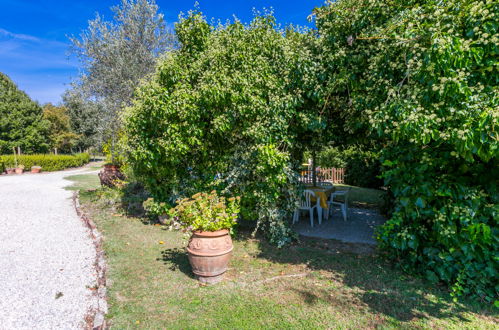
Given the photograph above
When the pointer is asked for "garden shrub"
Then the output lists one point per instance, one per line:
(48, 162)
(424, 76)
(362, 167)
(226, 111)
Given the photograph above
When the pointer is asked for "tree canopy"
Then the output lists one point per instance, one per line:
(422, 75)
(116, 54)
(61, 135)
(21, 120)
(85, 116)
(226, 111)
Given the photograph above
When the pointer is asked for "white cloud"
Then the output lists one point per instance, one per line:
(38, 66)
(18, 35)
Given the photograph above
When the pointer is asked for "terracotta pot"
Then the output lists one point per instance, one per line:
(209, 254)
(10, 171)
(112, 167)
(109, 174)
(19, 170)
(36, 169)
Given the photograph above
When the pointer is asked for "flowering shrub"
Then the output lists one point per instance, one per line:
(204, 212)
(423, 75)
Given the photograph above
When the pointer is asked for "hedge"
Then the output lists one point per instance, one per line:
(46, 161)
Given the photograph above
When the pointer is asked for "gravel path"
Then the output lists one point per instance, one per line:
(46, 255)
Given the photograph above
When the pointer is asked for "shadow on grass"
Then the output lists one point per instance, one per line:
(372, 280)
(176, 260)
(132, 197)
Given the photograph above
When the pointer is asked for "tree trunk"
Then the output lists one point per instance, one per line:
(314, 176)
(15, 156)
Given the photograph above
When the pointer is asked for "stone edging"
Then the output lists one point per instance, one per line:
(95, 317)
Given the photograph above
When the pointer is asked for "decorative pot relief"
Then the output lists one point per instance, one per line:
(209, 254)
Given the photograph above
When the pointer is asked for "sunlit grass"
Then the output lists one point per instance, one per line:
(83, 181)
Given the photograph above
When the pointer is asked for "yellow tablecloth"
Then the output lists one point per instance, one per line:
(323, 193)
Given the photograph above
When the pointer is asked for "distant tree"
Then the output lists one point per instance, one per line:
(61, 136)
(117, 54)
(21, 120)
(84, 119)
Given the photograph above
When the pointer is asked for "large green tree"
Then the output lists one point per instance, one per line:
(227, 111)
(21, 120)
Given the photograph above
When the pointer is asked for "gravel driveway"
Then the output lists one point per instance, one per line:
(46, 254)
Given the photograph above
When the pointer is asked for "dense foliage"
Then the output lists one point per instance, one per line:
(226, 111)
(46, 161)
(424, 75)
(362, 167)
(21, 120)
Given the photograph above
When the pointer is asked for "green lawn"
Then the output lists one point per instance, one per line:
(311, 284)
(86, 181)
(364, 197)
(83, 181)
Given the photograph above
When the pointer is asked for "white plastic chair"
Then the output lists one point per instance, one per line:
(306, 204)
(343, 206)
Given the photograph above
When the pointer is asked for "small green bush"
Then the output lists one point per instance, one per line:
(363, 167)
(205, 212)
(48, 162)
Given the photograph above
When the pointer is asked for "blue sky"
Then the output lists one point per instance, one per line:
(34, 43)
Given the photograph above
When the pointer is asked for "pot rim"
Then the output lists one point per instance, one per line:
(216, 233)
(111, 166)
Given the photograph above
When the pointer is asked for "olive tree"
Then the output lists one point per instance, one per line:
(117, 54)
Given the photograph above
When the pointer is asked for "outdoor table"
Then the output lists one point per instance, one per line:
(323, 193)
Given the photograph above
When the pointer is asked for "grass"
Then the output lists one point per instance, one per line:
(83, 181)
(364, 197)
(86, 181)
(311, 284)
